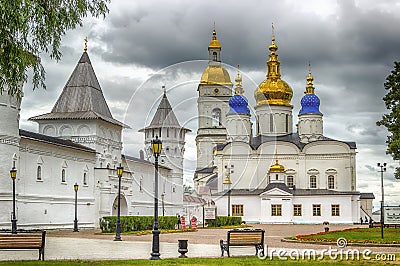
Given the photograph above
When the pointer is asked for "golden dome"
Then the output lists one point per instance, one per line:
(273, 90)
(277, 168)
(214, 43)
(215, 74)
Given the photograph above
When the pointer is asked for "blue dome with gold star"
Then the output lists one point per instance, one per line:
(310, 104)
(238, 105)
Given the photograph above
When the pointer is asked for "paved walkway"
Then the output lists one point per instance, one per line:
(89, 245)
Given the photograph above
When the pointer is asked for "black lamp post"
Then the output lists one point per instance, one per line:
(156, 145)
(162, 201)
(120, 170)
(383, 169)
(13, 174)
(227, 186)
(76, 208)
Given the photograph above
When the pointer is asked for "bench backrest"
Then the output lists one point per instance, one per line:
(245, 237)
(23, 240)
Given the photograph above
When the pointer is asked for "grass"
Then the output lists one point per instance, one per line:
(356, 235)
(200, 262)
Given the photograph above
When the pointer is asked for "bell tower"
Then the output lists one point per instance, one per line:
(215, 90)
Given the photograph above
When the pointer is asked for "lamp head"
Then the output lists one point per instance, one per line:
(156, 145)
(13, 173)
(120, 170)
(76, 187)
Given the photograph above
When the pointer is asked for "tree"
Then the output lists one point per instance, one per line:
(31, 27)
(392, 120)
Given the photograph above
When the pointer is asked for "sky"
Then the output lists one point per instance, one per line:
(142, 45)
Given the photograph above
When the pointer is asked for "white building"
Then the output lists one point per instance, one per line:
(79, 141)
(277, 175)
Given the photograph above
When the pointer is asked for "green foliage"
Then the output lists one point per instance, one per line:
(31, 27)
(224, 221)
(392, 120)
(136, 223)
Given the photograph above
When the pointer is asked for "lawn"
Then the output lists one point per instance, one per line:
(356, 235)
(200, 262)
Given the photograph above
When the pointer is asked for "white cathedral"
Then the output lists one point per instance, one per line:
(275, 175)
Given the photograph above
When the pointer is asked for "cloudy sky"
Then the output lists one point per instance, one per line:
(142, 45)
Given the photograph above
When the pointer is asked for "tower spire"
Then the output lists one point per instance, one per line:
(238, 87)
(273, 63)
(86, 41)
(310, 86)
(214, 43)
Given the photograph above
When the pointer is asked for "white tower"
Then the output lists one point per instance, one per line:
(9, 151)
(81, 114)
(273, 95)
(214, 94)
(310, 127)
(165, 126)
(238, 122)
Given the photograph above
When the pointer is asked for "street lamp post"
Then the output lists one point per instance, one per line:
(383, 169)
(13, 174)
(162, 201)
(156, 145)
(76, 208)
(120, 170)
(227, 186)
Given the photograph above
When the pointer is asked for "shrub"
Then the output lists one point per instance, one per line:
(224, 221)
(136, 223)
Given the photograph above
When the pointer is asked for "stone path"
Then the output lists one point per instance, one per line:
(89, 245)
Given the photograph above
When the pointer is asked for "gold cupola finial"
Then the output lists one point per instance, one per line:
(86, 41)
(238, 87)
(214, 43)
(310, 86)
(273, 90)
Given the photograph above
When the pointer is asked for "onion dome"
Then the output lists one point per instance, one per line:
(277, 168)
(310, 102)
(273, 90)
(238, 103)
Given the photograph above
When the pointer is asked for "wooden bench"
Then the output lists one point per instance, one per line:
(24, 239)
(245, 237)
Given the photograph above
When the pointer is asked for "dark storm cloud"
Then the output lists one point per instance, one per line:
(351, 46)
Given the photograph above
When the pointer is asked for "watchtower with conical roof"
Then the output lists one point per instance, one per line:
(166, 127)
(81, 114)
(215, 90)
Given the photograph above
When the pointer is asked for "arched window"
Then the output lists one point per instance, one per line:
(39, 173)
(216, 117)
(287, 123)
(271, 123)
(290, 181)
(331, 182)
(167, 132)
(63, 175)
(85, 179)
(313, 181)
(214, 56)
